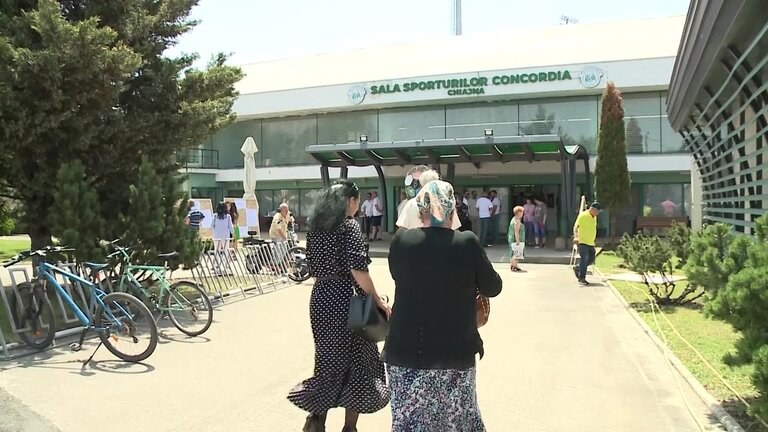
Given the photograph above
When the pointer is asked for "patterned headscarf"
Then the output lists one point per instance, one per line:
(437, 200)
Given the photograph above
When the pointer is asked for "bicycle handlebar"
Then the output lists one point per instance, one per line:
(21, 256)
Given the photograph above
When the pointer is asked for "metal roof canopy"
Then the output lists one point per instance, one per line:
(502, 149)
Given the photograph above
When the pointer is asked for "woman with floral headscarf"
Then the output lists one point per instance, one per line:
(432, 342)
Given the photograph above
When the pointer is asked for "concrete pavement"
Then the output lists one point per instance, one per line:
(559, 357)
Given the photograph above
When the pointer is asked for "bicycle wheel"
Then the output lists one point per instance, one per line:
(189, 308)
(32, 311)
(130, 330)
(299, 271)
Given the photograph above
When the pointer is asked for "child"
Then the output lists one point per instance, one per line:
(516, 238)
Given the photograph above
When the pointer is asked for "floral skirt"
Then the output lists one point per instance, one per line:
(427, 400)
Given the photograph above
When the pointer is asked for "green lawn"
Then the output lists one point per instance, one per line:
(10, 246)
(712, 338)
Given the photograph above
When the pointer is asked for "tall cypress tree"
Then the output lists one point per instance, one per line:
(611, 174)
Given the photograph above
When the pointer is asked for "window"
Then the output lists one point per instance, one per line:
(469, 121)
(308, 201)
(266, 202)
(642, 122)
(411, 124)
(574, 119)
(671, 141)
(285, 141)
(668, 200)
(229, 140)
(347, 127)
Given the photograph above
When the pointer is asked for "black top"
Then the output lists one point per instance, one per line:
(437, 273)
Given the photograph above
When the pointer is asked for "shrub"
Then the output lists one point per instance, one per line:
(652, 258)
(735, 268)
(679, 238)
(715, 253)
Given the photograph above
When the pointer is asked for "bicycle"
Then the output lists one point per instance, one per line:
(183, 302)
(115, 317)
(295, 266)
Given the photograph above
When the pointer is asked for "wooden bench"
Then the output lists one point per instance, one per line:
(656, 222)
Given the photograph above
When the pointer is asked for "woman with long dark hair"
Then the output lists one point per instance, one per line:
(235, 228)
(222, 230)
(348, 372)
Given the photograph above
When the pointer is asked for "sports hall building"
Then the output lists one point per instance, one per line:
(517, 111)
(718, 101)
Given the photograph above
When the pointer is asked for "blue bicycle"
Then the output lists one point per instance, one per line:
(123, 323)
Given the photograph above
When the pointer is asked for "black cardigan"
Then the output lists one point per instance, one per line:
(437, 272)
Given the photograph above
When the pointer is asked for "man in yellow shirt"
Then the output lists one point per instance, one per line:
(585, 233)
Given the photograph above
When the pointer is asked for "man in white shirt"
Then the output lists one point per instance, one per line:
(366, 212)
(485, 211)
(495, 216)
(474, 217)
(416, 178)
(377, 211)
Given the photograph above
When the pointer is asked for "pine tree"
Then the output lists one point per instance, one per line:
(154, 222)
(75, 217)
(611, 173)
(733, 268)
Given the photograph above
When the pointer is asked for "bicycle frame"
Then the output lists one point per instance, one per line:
(48, 271)
(158, 272)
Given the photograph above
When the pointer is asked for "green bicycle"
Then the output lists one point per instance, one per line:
(183, 302)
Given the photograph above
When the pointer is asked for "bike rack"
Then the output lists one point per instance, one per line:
(245, 270)
(21, 274)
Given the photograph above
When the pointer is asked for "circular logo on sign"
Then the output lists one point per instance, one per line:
(591, 76)
(356, 94)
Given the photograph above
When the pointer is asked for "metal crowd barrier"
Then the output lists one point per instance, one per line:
(222, 273)
(229, 268)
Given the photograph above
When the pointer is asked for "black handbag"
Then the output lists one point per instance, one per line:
(366, 319)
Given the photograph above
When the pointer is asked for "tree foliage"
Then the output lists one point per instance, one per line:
(733, 269)
(611, 173)
(159, 206)
(75, 217)
(87, 80)
(654, 259)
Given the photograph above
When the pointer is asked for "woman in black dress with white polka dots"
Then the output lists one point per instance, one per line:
(348, 372)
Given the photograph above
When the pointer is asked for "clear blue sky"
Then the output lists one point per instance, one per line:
(259, 30)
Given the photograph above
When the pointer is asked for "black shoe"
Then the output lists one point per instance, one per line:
(576, 272)
(583, 282)
(314, 423)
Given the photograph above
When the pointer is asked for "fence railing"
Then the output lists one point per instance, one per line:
(222, 272)
(198, 158)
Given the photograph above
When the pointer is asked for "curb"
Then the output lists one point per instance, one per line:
(714, 406)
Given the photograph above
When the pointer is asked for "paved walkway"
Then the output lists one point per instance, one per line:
(559, 358)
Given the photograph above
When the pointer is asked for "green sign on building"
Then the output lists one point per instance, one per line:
(470, 86)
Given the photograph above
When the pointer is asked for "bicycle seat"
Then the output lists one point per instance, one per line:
(173, 254)
(95, 266)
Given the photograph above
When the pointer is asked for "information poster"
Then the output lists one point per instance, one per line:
(206, 208)
(247, 215)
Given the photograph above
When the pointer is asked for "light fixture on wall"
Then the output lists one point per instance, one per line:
(488, 132)
(363, 138)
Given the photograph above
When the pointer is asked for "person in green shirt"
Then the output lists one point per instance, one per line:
(516, 238)
(585, 233)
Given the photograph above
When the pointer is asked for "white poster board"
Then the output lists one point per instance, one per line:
(247, 215)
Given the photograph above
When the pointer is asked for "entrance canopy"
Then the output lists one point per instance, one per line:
(447, 151)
